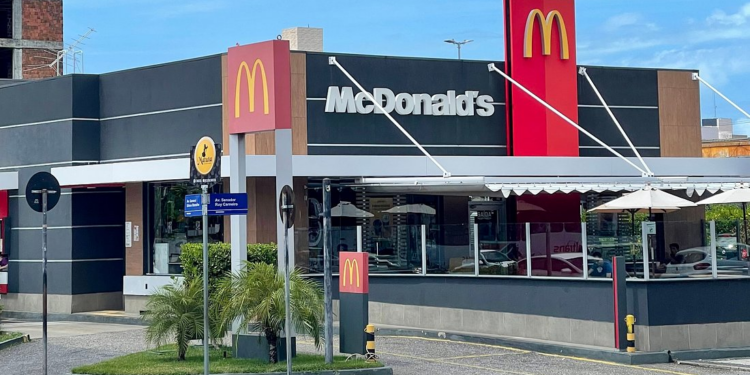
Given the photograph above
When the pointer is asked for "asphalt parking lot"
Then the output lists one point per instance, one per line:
(74, 344)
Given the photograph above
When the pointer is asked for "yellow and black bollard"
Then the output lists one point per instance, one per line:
(370, 330)
(630, 321)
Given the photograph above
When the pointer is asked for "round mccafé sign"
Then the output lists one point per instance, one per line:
(204, 157)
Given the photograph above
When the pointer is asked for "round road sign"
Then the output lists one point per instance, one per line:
(205, 155)
(39, 182)
(286, 206)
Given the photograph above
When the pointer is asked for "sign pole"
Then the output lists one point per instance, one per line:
(42, 195)
(204, 203)
(44, 276)
(287, 295)
(327, 273)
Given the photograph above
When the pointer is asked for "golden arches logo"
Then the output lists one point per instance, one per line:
(352, 266)
(545, 24)
(250, 77)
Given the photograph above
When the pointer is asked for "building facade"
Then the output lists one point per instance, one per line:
(31, 34)
(520, 179)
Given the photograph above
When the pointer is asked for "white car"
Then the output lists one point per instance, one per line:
(697, 261)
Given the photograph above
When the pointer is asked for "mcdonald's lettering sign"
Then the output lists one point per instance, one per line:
(541, 55)
(258, 89)
(353, 272)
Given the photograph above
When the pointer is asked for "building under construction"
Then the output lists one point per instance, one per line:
(31, 34)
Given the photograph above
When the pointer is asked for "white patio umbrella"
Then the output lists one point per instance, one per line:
(648, 200)
(347, 209)
(739, 195)
(412, 209)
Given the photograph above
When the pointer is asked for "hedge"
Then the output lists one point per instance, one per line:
(220, 259)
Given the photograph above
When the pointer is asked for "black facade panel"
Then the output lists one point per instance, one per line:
(86, 140)
(412, 76)
(694, 302)
(36, 101)
(97, 276)
(620, 87)
(27, 278)
(627, 152)
(161, 87)
(101, 206)
(36, 144)
(411, 150)
(86, 96)
(27, 244)
(641, 126)
(99, 243)
(158, 134)
(572, 299)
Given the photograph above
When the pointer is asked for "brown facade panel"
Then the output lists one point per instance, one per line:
(43, 20)
(134, 215)
(299, 103)
(679, 114)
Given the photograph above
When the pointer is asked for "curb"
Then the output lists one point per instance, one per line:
(714, 366)
(364, 371)
(32, 316)
(16, 341)
(602, 354)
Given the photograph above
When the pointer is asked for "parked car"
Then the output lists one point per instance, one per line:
(563, 265)
(737, 251)
(697, 261)
(492, 262)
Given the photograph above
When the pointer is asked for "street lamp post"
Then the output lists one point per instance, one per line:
(458, 44)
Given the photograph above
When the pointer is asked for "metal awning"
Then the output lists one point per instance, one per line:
(506, 187)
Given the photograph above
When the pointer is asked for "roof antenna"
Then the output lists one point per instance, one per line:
(72, 51)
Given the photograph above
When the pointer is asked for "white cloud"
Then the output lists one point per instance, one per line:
(622, 20)
(720, 17)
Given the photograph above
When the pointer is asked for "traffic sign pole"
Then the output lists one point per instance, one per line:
(44, 275)
(287, 295)
(204, 203)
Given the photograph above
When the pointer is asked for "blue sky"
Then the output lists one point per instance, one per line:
(711, 36)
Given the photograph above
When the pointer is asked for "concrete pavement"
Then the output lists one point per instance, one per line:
(73, 344)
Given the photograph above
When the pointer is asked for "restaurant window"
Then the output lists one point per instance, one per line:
(170, 229)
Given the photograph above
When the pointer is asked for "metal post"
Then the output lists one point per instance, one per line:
(287, 295)
(644, 243)
(476, 249)
(712, 229)
(44, 276)
(204, 204)
(585, 248)
(359, 239)
(424, 249)
(528, 249)
(327, 273)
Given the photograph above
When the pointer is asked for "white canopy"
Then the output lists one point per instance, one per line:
(647, 199)
(412, 209)
(739, 195)
(347, 209)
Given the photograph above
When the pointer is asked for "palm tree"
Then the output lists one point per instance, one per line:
(175, 314)
(255, 297)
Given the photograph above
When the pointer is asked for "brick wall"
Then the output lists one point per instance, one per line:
(33, 61)
(43, 20)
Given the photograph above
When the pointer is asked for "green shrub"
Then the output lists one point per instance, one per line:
(220, 259)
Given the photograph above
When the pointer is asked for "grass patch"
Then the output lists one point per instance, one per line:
(164, 362)
(5, 336)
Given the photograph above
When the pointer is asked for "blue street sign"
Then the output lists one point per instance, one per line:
(218, 205)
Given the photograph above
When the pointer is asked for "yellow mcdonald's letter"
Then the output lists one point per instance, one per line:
(352, 266)
(250, 76)
(545, 25)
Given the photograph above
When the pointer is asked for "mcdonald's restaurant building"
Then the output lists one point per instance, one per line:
(119, 145)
